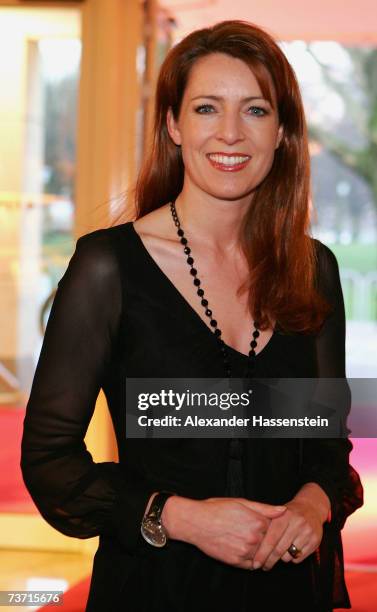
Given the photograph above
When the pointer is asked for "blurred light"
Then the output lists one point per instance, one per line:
(343, 188)
(332, 54)
(61, 215)
(345, 237)
(40, 583)
(140, 60)
(60, 57)
(315, 148)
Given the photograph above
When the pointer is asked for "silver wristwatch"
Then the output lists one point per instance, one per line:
(152, 528)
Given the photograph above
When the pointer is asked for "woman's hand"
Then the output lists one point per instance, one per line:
(301, 525)
(227, 529)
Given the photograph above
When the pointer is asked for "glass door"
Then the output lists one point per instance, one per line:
(39, 69)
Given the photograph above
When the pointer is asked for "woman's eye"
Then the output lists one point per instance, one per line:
(258, 111)
(204, 109)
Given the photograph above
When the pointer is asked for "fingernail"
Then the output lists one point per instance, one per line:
(280, 507)
(257, 565)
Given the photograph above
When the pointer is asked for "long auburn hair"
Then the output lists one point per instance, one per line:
(274, 234)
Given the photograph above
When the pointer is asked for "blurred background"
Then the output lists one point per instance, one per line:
(76, 98)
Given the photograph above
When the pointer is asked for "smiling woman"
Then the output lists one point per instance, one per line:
(223, 96)
(222, 229)
(227, 132)
(246, 133)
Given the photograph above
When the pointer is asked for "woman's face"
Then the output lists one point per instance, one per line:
(227, 130)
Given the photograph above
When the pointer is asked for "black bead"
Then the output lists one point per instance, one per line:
(227, 373)
(187, 250)
(183, 240)
(200, 292)
(217, 332)
(208, 312)
(196, 282)
(190, 260)
(252, 353)
(180, 232)
(253, 343)
(223, 347)
(193, 271)
(204, 302)
(213, 323)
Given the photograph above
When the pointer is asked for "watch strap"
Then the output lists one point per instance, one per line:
(157, 505)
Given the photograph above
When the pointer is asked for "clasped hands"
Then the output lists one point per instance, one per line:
(252, 535)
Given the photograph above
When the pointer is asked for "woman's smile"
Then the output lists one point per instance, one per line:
(228, 162)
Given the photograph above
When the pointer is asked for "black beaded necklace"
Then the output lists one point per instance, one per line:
(208, 311)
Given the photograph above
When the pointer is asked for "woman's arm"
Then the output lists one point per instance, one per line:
(326, 461)
(76, 496)
(330, 487)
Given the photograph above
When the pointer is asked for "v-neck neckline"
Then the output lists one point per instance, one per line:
(183, 300)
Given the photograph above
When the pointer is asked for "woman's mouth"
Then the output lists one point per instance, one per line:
(228, 163)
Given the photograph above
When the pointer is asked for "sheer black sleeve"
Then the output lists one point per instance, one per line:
(76, 496)
(326, 461)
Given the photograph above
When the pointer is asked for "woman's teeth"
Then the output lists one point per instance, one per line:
(228, 160)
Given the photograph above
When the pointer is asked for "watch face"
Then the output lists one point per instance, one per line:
(153, 533)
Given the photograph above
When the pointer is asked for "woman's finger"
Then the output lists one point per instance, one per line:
(267, 510)
(274, 534)
(280, 551)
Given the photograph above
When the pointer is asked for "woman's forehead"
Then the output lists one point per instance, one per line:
(229, 77)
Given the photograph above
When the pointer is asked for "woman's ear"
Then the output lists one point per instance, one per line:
(173, 129)
(279, 136)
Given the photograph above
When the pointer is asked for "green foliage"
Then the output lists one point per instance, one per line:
(360, 257)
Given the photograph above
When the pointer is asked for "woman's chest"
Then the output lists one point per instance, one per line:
(162, 336)
(212, 286)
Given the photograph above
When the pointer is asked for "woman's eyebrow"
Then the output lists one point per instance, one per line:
(220, 98)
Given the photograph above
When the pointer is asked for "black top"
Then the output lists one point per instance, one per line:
(116, 314)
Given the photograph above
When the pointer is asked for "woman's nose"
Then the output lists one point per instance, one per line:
(230, 128)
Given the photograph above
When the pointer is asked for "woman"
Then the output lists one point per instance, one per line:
(217, 276)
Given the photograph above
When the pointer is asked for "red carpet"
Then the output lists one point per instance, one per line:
(14, 496)
(362, 587)
(74, 599)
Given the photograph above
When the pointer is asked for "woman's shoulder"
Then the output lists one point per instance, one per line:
(327, 262)
(103, 238)
(106, 241)
(327, 269)
(323, 252)
(98, 253)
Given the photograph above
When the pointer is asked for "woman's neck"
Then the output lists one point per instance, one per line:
(215, 221)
